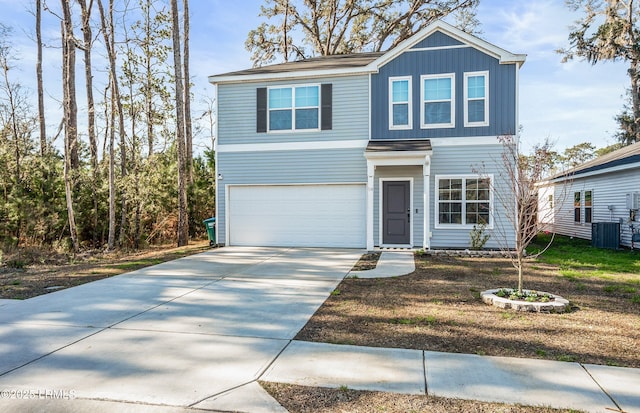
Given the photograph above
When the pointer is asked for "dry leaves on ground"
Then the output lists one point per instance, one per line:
(299, 399)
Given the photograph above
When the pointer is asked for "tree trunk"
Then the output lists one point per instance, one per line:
(41, 118)
(107, 30)
(71, 113)
(148, 98)
(68, 87)
(183, 221)
(187, 97)
(111, 116)
(93, 144)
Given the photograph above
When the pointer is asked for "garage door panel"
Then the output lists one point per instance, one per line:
(297, 215)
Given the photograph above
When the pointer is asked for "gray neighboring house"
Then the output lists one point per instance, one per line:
(605, 189)
(367, 150)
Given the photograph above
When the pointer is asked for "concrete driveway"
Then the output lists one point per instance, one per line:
(190, 333)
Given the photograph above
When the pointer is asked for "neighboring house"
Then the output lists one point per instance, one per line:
(369, 149)
(605, 189)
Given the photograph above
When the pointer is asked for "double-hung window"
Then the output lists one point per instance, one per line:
(438, 101)
(463, 201)
(294, 108)
(576, 207)
(588, 206)
(400, 112)
(476, 99)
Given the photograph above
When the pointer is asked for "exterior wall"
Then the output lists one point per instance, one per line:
(247, 157)
(465, 160)
(237, 112)
(608, 189)
(502, 92)
(286, 167)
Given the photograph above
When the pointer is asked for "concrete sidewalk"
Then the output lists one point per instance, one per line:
(196, 334)
(589, 388)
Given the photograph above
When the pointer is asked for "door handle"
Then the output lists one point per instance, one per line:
(409, 215)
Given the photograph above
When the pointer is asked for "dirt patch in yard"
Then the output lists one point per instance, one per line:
(299, 399)
(48, 272)
(438, 308)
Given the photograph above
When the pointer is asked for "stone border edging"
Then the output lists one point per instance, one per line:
(558, 305)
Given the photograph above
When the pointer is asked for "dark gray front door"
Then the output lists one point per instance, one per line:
(396, 213)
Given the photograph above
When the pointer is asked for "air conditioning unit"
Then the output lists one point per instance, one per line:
(633, 200)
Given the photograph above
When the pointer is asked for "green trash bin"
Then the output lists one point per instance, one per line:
(211, 230)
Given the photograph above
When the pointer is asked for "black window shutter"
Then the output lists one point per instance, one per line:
(261, 110)
(326, 106)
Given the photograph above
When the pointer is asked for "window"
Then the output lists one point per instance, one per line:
(576, 207)
(463, 201)
(437, 95)
(588, 206)
(400, 103)
(294, 108)
(476, 91)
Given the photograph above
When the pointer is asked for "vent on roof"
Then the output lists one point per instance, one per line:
(605, 235)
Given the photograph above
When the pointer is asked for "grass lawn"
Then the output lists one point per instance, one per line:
(438, 308)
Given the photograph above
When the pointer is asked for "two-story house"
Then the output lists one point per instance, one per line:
(369, 149)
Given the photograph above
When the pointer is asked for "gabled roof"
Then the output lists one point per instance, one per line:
(362, 63)
(622, 158)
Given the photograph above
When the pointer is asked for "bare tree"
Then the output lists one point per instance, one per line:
(71, 161)
(183, 221)
(109, 40)
(86, 47)
(517, 192)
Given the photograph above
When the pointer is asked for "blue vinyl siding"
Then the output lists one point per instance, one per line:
(437, 39)
(502, 92)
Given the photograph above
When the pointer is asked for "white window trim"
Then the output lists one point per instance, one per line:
(584, 201)
(293, 108)
(391, 102)
(486, 99)
(579, 207)
(452, 124)
(465, 226)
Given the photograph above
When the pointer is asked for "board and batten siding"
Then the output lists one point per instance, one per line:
(608, 189)
(502, 92)
(321, 166)
(237, 112)
(464, 160)
(437, 39)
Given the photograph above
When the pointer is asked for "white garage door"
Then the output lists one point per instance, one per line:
(297, 215)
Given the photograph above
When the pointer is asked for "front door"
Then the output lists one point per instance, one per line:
(396, 213)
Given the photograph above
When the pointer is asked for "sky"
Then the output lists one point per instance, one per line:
(568, 103)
